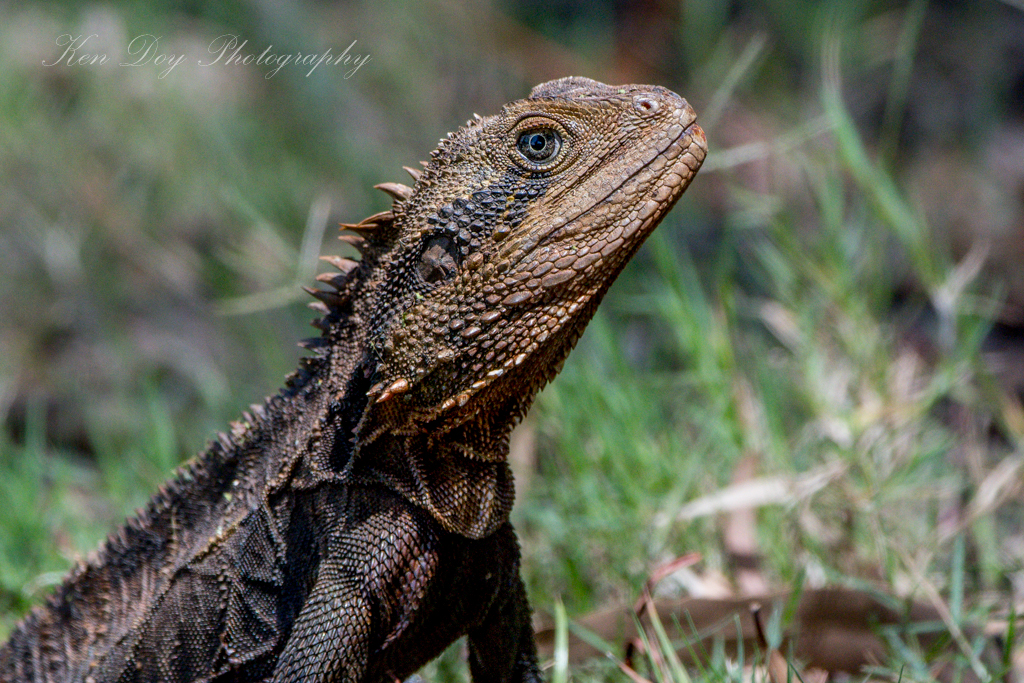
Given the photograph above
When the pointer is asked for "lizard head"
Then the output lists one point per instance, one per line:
(499, 255)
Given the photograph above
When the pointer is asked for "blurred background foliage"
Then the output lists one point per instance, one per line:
(840, 294)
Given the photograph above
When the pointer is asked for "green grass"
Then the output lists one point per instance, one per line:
(155, 248)
(812, 371)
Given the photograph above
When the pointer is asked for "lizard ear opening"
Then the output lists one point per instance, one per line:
(440, 260)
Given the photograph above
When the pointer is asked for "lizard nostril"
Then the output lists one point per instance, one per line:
(646, 105)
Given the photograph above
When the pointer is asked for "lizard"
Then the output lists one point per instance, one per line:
(356, 523)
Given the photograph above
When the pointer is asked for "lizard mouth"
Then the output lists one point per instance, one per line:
(694, 131)
(680, 158)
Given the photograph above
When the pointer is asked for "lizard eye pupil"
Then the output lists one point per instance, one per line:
(539, 146)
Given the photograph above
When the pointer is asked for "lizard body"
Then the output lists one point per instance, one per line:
(355, 524)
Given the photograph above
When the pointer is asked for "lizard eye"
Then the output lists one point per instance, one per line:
(539, 146)
(440, 260)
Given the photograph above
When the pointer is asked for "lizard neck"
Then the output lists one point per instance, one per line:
(456, 471)
(466, 496)
(453, 465)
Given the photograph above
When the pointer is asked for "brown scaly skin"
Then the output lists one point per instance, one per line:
(357, 523)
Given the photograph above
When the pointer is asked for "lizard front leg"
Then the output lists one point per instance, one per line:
(330, 640)
(369, 587)
(502, 648)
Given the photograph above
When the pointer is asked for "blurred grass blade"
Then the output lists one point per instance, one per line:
(560, 671)
(673, 666)
(592, 639)
(732, 79)
(956, 580)
(899, 86)
(880, 188)
(1010, 641)
(755, 151)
